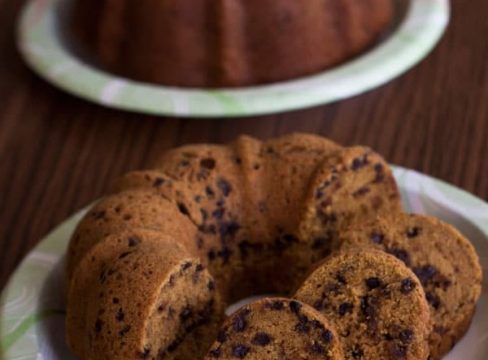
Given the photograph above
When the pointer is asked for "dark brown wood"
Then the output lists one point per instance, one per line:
(58, 153)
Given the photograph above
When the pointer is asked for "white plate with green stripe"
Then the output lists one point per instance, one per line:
(420, 25)
(32, 310)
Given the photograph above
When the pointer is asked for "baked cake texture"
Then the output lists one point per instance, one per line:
(153, 264)
(375, 302)
(444, 261)
(276, 328)
(215, 43)
(140, 295)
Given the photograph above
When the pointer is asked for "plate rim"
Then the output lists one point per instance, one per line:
(401, 174)
(411, 42)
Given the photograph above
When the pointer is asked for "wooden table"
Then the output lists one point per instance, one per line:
(58, 153)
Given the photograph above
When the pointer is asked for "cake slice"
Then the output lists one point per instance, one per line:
(442, 258)
(276, 328)
(375, 302)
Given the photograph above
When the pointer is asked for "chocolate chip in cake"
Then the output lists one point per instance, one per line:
(186, 265)
(120, 315)
(373, 283)
(345, 308)
(359, 162)
(215, 353)
(317, 348)
(261, 339)
(183, 209)
(240, 322)
(133, 241)
(209, 191)
(98, 325)
(124, 330)
(425, 273)
(377, 237)
(224, 186)
(295, 306)
(207, 163)
(413, 232)
(186, 313)
(158, 182)
(407, 286)
(327, 335)
(240, 351)
(406, 336)
(400, 254)
(433, 300)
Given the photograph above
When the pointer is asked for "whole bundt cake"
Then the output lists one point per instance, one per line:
(215, 43)
(151, 266)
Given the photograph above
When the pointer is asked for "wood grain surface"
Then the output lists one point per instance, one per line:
(58, 153)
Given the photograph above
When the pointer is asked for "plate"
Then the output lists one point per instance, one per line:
(32, 311)
(415, 35)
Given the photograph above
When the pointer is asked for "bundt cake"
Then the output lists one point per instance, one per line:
(444, 261)
(243, 215)
(276, 328)
(215, 43)
(375, 302)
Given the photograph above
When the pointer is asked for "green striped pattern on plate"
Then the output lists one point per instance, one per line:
(31, 307)
(40, 43)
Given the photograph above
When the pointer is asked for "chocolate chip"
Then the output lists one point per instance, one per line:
(361, 191)
(133, 241)
(98, 325)
(398, 351)
(327, 335)
(221, 336)
(120, 315)
(239, 324)
(186, 313)
(433, 300)
(407, 286)
(225, 254)
(377, 237)
(144, 354)
(158, 182)
(124, 330)
(186, 265)
(207, 163)
(317, 348)
(123, 255)
(380, 176)
(341, 279)
(261, 339)
(359, 162)
(240, 351)
(229, 229)
(406, 336)
(224, 186)
(209, 191)
(357, 353)
(211, 285)
(345, 308)
(413, 232)
(303, 325)
(215, 353)
(218, 213)
(400, 254)
(425, 273)
(373, 283)
(295, 306)
(275, 305)
(199, 268)
(183, 209)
